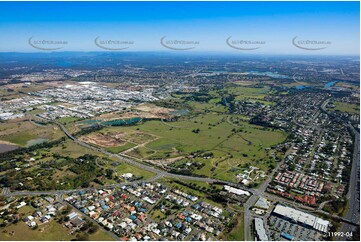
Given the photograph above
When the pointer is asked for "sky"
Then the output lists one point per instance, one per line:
(252, 27)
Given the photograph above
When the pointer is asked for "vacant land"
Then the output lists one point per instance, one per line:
(348, 85)
(25, 133)
(71, 149)
(230, 147)
(203, 140)
(140, 152)
(119, 149)
(249, 92)
(48, 231)
(51, 231)
(66, 120)
(65, 165)
(159, 112)
(347, 107)
(125, 168)
(237, 233)
(209, 132)
(102, 140)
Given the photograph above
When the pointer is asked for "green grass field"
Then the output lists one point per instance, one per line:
(69, 148)
(48, 231)
(201, 186)
(20, 138)
(254, 93)
(157, 215)
(237, 233)
(215, 135)
(66, 120)
(347, 107)
(140, 152)
(125, 168)
(23, 131)
(100, 235)
(51, 231)
(208, 128)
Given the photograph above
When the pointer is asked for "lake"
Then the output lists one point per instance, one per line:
(180, 112)
(300, 87)
(120, 122)
(268, 73)
(35, 142)
(330, 84)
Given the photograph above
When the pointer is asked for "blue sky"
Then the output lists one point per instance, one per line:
(209, 23)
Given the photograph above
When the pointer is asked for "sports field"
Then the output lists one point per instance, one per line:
(347, 107)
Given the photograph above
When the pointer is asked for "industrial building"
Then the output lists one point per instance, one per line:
(236, 191)
(260, 230)
(302, 218)
(262, 203)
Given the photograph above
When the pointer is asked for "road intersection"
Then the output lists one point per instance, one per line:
(351, 219)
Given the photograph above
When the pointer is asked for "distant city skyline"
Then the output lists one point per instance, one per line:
(305, 28)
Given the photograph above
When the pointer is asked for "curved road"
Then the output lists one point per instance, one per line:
(352, 215)
(159, 173)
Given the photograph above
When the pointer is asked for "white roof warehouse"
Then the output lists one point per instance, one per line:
(236, 191)
(302, 218)
(260, 230)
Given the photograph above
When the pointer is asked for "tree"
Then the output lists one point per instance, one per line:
(93, 229)
(109, 173)
(82, 237)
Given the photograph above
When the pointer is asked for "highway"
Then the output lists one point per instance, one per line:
(158, 173)
(353, 194)
(351, 218)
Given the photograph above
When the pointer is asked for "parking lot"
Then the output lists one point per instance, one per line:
(278, 225)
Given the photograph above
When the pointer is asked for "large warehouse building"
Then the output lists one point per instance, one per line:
(260, 230)
(302, 218)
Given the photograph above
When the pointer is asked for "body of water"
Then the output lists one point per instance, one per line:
(119, 122)
(300, 87)
(180, 112)
(327, 85)
(268, 73)
(330, 84)
(35, 142)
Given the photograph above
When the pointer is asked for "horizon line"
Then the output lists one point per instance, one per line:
(178, 52)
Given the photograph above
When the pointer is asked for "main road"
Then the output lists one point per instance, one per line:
(353, 194)
(352, 214)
